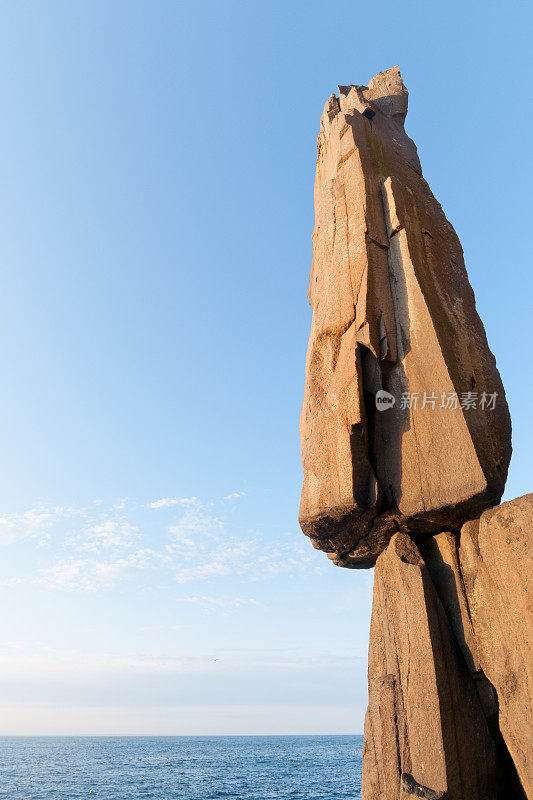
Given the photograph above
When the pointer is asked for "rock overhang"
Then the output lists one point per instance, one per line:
(393, 312)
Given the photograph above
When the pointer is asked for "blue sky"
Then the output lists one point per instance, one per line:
(156, 209)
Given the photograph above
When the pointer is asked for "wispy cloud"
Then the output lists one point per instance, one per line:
(167, 502)
(90, 575)
(224, 605)
(42, 661)
(188, 542)
(39, 661)
(234, 496)
(107, 535)
(34, 523)
(196, 529)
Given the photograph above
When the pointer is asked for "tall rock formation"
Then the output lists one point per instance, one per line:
(425, 731)
(405, 446)
(392, 312)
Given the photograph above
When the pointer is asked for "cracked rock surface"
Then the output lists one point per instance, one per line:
(406, 442)
(393, 311)
(496, 560)
(425, 731)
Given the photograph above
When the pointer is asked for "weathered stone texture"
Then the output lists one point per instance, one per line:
(483, 578)
(496, 558)
(450, 711)
(441, 555)
(425, 731)
(392, 310)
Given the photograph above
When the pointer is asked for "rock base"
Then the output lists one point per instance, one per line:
(450, 670)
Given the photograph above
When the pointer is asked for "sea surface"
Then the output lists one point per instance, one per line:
(189, 768)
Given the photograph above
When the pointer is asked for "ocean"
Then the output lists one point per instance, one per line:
(189, 768)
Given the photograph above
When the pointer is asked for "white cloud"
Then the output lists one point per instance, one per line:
(110, 546)
(107, 535)
(197, 526)
(229, 558)
(210, 603)
(166, 502)
(120, 505)
(90, 575)
(66, 575)
(234, 496)
(18, 660)
(31, 524)
(6, 531)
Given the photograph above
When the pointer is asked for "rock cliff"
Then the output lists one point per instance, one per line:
(405, 437)
(425, 731)
(394, 319)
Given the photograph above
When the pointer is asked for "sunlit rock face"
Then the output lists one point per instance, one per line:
(425, 731)
(405, 446)
(404, 425)
(450, 665)
(496, 578)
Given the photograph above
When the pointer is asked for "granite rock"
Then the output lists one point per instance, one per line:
(496, 561)
(393, 313)
(425, 732)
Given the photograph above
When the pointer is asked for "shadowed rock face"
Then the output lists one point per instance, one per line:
(393, 311)
(450, 667)
(496, 561)
(425, 731)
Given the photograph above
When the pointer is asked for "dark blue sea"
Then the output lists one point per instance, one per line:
(189, 768)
